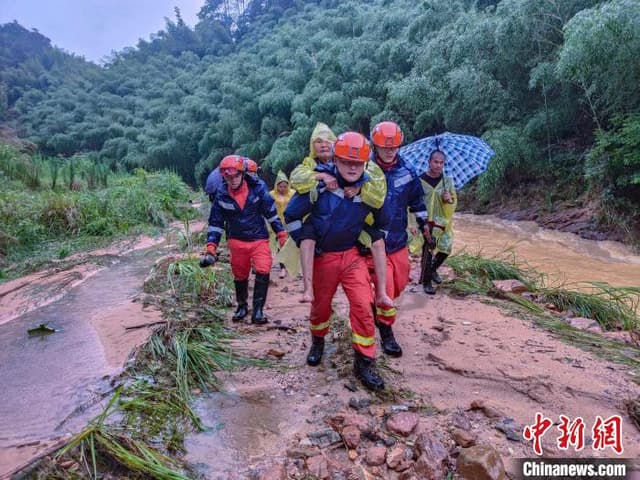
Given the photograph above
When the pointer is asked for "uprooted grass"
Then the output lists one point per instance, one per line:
(612, 307)
(153, 403)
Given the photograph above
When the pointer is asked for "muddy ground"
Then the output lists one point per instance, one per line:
(471, 374)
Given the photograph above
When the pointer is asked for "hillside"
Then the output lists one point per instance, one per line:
(554, 87)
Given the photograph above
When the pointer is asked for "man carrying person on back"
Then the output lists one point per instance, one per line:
(335, 222)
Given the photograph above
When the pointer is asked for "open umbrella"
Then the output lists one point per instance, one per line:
(466, 156)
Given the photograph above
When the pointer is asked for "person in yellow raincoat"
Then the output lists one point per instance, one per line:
(281, 194)
(304, 179)
(441, 201)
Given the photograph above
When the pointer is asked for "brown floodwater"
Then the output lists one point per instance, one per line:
(53, 383)
(564, 257)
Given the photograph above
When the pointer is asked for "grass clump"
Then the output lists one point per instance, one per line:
(611, 307)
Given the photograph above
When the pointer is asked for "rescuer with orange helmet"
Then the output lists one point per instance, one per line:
(335, 221)
(239, 210)
(404, 191)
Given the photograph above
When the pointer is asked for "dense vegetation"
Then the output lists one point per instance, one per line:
(50, 208)
(553, 85)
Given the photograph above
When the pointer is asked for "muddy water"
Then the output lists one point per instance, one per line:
(565, 257)
(52, 383)
(45, 379)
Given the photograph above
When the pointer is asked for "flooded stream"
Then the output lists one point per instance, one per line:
(46, 378)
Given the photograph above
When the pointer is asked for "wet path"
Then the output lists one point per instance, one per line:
(45, 378)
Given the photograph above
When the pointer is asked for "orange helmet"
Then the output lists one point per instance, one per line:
(252, 167)
(231, 165)
(387, 135)
(352, 146)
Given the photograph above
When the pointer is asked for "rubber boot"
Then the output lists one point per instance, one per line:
(437, 261)
(365, 370)
(260, 289)
(389, 344)
(242, 293)
(427, 276)
(315, 352)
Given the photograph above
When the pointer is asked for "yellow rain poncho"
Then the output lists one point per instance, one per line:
(440, 213)
(281, 201)
(303, 177)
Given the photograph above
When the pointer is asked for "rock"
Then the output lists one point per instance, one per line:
(460, 420)
(488, 409)
(395, 456)
(428, 468)
(302, 451)
(464, 438)
(585, 324)
(359, 403)
(275, 472)
(509, 286)
(512, 430)
(351, 436)
(324, 438)
(363, 423)
(403, 423)
(480, 462)
(432, 462)
(376, 455)
(275, 353)
(317, 466)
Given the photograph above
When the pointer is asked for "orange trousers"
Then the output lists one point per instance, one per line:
(398, 269)
(348, 269)
(243, 254)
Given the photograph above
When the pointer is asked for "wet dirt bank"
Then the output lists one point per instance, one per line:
(459, 352)
(53, 383)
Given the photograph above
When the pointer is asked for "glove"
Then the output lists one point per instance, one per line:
(210, 256)
(282, 238)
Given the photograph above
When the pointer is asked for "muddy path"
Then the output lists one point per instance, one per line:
(459, 353)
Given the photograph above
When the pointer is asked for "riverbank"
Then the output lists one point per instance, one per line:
(462, 381)
(582, 215)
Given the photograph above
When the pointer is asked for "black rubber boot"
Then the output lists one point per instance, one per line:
(365, 370)
(315, 352)
(427, 276)
(242, 293)
(260, 289)
(389, 344)
(437, 261)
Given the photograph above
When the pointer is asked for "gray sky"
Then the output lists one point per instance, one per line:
(93, 28)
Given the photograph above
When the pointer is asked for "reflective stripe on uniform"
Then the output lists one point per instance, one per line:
(398, 182)
(386, 312)
(421, 214)
(320, 326)
(364, 341)
(272, 219)
(215, 229)
(226, 205)
(295, 225)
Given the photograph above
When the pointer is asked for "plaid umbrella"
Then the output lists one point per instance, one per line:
(466, 156)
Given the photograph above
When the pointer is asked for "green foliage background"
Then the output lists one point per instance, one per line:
(553, 85)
